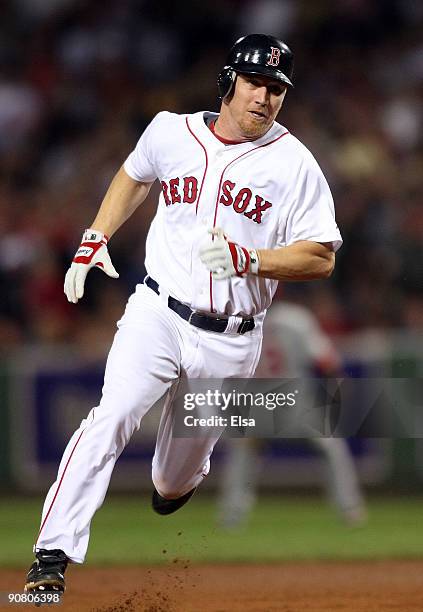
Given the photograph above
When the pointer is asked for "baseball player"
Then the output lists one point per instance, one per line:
(243, 204)
(294, 346)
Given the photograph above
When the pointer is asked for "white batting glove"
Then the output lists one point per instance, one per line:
(91, 252)
(225, 258)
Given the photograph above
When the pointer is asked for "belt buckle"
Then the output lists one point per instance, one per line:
(243, 326)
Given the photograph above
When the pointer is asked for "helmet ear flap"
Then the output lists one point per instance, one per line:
(225, 81)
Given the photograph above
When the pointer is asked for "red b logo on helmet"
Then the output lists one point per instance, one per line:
(274, 57)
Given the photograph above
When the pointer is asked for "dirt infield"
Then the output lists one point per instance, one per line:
(310, 587)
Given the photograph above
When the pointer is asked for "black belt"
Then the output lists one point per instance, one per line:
(198, 319)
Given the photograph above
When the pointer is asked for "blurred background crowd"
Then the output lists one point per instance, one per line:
(80, 80)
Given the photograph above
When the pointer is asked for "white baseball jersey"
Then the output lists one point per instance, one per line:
(264, 194)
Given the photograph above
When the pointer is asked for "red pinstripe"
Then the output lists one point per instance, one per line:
(207, 161)
(234, 160)
(59, 485)
(220, 184)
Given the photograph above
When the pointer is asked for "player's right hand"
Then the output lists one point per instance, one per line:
(91, 252)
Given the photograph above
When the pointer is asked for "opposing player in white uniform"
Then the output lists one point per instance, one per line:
(243, 205)
(294, 346)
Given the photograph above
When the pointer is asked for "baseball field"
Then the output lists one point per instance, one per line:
(293, 556)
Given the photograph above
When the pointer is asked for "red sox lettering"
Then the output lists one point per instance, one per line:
(185, 191)
(171, 192)
(242, 200)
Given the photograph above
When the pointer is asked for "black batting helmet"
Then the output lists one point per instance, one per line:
(256, 54)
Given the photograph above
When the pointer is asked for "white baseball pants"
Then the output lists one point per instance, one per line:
(152, 349)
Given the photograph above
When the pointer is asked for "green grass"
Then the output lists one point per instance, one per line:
(126, 531)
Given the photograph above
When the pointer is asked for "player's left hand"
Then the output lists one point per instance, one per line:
(225, 258)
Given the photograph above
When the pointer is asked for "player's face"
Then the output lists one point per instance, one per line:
(256, 103)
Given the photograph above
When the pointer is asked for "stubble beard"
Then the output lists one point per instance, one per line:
(254, 129)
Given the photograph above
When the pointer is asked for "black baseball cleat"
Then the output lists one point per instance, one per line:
(47, 573)
(163, 506)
